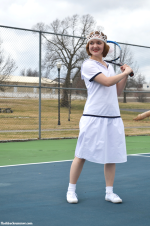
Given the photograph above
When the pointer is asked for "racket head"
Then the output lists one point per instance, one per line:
(114, 54)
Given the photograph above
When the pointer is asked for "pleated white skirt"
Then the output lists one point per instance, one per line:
(101, 140)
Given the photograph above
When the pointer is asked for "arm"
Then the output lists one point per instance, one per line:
(122, 83)
(110, 81)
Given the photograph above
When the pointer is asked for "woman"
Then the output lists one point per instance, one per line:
(101, 138)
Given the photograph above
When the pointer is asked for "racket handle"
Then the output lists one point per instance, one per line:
(131, 74)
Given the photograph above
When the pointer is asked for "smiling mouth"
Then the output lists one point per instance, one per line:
(95, 50)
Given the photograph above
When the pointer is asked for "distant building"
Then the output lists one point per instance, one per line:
(28, 81)
(146, 87)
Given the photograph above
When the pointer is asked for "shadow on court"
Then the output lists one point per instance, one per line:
(36, 193)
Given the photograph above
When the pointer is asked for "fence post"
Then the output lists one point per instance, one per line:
(58, 67)
(58, 96)
(40, 47)
(124, 96)
(114, 57)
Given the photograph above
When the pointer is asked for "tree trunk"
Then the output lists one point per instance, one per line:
(65, 92)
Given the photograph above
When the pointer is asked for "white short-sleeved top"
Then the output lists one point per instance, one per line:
(101, 100)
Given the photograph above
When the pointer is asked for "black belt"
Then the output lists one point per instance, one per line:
(99, 116)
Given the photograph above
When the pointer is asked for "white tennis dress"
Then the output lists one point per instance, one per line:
(101, 138)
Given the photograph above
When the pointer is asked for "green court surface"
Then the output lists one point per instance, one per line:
(12, 153)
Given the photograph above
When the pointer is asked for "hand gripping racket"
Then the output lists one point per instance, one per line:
(115, 54)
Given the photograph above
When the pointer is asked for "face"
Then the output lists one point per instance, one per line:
(96, 47)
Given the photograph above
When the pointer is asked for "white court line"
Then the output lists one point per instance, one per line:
(148, 153)
(36, 163)
(141, 155)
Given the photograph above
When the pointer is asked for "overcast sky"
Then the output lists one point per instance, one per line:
(124, 21)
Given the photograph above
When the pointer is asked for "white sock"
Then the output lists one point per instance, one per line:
(72, 187)
(109, 189)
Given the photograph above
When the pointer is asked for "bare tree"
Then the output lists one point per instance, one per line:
(137, 80)
(69, 50)
(29, 72)
(140, 80)
(7, 66)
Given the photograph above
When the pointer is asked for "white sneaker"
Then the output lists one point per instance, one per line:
(111, 197)
(72, 197)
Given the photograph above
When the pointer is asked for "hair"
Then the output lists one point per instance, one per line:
(106, 47)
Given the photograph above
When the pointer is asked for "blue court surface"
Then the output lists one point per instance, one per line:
(35, 195)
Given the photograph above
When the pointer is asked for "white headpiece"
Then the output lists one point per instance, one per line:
(97, 34)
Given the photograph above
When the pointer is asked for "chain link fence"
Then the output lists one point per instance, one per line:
(37, 99)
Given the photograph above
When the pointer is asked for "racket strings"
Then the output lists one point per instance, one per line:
(114, 53)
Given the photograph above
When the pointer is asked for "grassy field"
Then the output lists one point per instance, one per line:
(25, 116)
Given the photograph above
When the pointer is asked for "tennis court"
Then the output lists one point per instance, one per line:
(34, 179)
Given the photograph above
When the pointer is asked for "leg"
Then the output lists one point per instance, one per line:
(75, 172)
(109, 172)
(76, 169)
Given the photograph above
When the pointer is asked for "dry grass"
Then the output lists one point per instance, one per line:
(25, 116)
(135, 105)
(139, 131)
(129, 122)
(35, 135)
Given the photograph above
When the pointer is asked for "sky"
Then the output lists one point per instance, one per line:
(123, 21)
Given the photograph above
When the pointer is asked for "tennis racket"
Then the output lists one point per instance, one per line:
(115, 54)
